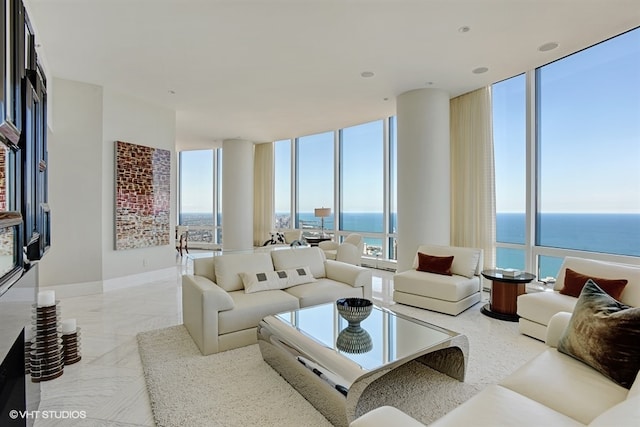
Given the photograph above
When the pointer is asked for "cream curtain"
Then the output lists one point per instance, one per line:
(263, 192)
(473, 212)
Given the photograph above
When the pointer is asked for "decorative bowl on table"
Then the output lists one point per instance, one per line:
(354, 310)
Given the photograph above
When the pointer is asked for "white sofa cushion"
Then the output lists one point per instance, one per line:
(250, 309)
(565, 385)
(625, 413)
(539, 307)
(228, 268)
(635, 387)
(299, 257)
(323, 290)
(607, 270)
(330, 253)
(437, 286)
(498, 406)
(465, 260)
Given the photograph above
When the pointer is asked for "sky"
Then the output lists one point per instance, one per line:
(589, 151)
(362, 170)
(589, 128)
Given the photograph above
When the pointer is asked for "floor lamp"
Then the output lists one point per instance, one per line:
(322, 213)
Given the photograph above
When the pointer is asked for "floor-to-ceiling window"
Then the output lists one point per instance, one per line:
(199, 197)
(393, 194)
(282, 184)
(350, 171)
(315, 181)
(362, 183)
(588, 141)
(584, 178)
(510, 143)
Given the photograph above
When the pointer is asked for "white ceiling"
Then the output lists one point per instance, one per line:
(265, 70)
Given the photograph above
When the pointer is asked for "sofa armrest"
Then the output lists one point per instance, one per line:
(201, 301)
(348, 253)
(351, 275)
(328, 245)
(557, 324)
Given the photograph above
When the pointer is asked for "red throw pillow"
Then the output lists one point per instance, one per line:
(574, 282)
(435, 264)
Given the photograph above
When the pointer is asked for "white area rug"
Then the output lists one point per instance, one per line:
(237, 388)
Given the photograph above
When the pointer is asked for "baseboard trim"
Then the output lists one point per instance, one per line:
(138, 279)
(99, 287)
(75, 289)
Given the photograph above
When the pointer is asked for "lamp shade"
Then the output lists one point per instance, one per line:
(322, 212)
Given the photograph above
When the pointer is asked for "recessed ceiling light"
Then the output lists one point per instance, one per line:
(367, 74)
(548, 46)
(480, 70)
(464, 29)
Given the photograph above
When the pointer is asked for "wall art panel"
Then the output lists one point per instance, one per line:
(143, 176)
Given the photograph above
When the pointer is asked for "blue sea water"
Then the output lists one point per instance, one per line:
(617, 234)
(606, 233)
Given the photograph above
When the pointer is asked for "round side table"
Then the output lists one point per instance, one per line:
(505, 290)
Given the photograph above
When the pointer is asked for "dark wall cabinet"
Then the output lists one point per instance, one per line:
(23, 135)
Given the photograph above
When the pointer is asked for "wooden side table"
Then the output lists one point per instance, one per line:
(313, 241)
(505, 290)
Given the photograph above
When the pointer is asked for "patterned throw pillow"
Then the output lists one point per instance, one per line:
(604, 334)
(272, 280)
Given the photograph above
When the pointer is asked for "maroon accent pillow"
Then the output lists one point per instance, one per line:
(435, 264)
(574, 282)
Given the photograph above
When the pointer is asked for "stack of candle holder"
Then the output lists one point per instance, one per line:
(28, 340)
(70, 341)
(46, 362)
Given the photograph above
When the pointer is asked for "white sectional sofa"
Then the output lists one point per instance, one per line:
(553, 389)
(536, 309)
(220, 315)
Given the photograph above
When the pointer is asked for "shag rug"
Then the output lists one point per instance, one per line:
(237, 388)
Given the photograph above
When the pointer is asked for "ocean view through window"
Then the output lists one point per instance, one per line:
(352, 172)
(582, 150)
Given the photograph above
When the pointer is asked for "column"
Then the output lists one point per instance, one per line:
(423, 172)
(237, 194)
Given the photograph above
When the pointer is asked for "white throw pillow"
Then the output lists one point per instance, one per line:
(263, 281)
(300, 276)
(272, 280)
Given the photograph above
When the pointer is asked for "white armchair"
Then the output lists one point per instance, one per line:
(349, 251)
(450, 294)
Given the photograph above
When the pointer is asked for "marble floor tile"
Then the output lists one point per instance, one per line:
(108, 383)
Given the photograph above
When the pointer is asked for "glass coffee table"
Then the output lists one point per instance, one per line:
(331, 363)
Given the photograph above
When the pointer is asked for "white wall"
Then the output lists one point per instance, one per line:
(75, 179)
(88, 119)
(130, 120)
